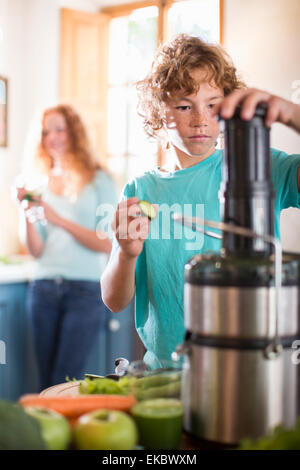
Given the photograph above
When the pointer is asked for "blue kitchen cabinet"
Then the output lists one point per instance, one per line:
(18, 368)
(118, 340)
(96, 363)
(13, 335)
(121, 337)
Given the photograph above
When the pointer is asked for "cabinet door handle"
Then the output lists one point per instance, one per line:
(114, 325)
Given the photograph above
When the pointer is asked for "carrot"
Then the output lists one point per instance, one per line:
(73, 406)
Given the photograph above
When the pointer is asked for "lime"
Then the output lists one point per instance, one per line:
(159, 422)
(148, 209)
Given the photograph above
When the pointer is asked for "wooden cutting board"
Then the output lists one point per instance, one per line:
(70, 389)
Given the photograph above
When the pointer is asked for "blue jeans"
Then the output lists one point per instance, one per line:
(66, 318)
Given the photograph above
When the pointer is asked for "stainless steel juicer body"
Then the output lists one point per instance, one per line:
(246, 395)
(231, 389)
(241, 307)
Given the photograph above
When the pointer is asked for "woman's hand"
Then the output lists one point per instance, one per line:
(279, 109)
(49, 213)
(130, 231)
(20, 193)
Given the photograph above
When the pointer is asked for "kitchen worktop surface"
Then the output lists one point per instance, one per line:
(18, 268)
(189, 442)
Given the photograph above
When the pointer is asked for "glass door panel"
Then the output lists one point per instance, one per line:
(195, 17)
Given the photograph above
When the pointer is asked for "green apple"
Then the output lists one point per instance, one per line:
(105, 430)
(55, 428)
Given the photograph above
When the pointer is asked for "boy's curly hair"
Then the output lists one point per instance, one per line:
(170, 73)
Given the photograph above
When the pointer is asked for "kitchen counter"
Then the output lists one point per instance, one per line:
(189, 442)
(17, 269)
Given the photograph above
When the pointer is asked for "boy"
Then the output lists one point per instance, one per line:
(190, 82)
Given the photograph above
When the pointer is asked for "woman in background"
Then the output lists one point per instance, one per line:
(64, 298)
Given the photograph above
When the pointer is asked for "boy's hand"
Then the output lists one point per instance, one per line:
(130, 231)
(279, 109)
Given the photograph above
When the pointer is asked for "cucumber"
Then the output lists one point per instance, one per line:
(93, 376)
(171, 390)
(148, 209)
(157, 380)
(157, 386)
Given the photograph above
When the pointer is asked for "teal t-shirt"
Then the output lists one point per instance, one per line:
(192, 191)
(63, 256)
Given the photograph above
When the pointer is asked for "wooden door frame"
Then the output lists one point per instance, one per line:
(162, 29)
(162, 33)
(163, 7)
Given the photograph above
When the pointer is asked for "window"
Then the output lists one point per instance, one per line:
(132, 46)
(195, 17)
(133, 38)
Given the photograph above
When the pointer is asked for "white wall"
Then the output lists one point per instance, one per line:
(29, 58)
(91, 5)
(261, 35)
(263, 38)
(12, 66)
(41, 47)
(85, 5)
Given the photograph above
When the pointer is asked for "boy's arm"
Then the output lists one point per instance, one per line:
(118, 282)
(279, 109)
(295, 118)
(118, 279)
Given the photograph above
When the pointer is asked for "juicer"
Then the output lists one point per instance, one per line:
(242, 305)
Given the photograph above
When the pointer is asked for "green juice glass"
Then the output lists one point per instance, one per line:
(159, 411)
(159, 423)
